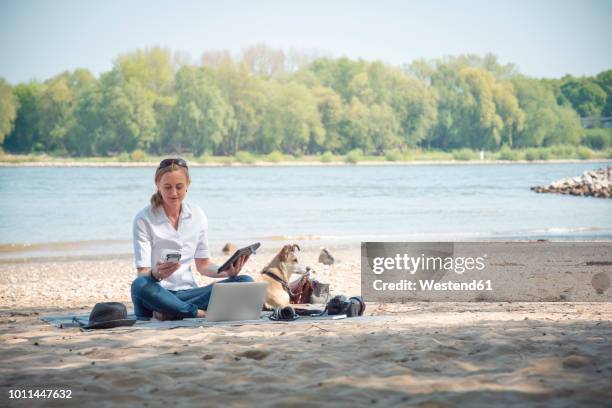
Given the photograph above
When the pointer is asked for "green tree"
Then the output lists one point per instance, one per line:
(8, 109)
(248, 99)
(377, 91)
(331, 111)
(507, 106)
(414, 105)
(201, 117)
(426, 70)
(476, 108)
(56, 107)
(604, 80)
(148, 73)
(448, 85)
(354, 127)
(383, 128)
(152, 68)
(292, 122)
(84, 123)
(125, 116)
(546, 122)
(586, 96)
(567, 128)
(85, 119)
(270, 101)
(338, 74)
(24, 137)
(482, 121)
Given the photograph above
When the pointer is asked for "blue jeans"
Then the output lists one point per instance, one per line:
(149, 296)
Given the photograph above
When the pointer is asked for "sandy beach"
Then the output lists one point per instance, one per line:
(423, 354)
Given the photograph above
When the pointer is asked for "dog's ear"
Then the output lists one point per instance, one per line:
(296, 246)
(284, 253)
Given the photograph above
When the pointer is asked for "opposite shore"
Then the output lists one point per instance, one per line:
(297, 163)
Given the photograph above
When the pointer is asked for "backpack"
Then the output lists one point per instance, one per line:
(300, 290)
(307, 290)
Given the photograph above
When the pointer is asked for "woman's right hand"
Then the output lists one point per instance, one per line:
(165, 269)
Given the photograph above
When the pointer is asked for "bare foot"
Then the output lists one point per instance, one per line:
(201, 313)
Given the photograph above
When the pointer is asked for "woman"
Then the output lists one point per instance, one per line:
(167, 290)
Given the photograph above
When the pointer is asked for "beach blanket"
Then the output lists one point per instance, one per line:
(68, 321)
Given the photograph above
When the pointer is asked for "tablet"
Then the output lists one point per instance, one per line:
(243, 251)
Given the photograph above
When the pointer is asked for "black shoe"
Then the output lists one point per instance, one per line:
(166, 316)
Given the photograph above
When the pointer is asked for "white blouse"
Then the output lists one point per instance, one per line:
(153, 233)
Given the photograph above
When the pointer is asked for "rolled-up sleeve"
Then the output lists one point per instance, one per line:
(142, 243)
(202, 246)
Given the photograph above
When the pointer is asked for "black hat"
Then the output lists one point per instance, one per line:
(108, 315)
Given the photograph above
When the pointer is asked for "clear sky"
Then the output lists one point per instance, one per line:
(545, 38)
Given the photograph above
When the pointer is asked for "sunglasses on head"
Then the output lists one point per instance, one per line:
(169, 162)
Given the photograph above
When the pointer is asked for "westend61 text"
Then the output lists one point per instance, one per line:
(432, 285)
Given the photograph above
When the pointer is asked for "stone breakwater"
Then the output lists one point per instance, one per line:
(595, 183)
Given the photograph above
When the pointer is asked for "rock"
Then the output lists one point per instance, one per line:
(255, 354)
(325, 257)
(595, 183)
(575, 361)
(229, 248)
(600, 282)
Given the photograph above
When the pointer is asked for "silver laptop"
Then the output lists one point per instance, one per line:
(232, 301)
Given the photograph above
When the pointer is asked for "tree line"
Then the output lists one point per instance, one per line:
(269, 101)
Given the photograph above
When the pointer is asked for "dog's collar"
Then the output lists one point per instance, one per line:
(279, 280)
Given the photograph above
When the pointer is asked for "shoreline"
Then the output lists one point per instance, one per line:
(307, 163)
(64, 251)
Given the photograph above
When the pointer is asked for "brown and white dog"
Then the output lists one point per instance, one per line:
(277, 273)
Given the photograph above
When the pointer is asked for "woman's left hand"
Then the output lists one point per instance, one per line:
(234, 269)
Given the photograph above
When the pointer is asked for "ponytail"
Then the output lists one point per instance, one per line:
(156, 200)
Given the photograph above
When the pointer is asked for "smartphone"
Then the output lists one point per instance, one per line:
(170, 255)
(243, 251)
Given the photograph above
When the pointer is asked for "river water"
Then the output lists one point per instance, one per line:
(47, 211)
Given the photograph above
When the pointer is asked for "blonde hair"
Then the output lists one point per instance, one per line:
(157, 199)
